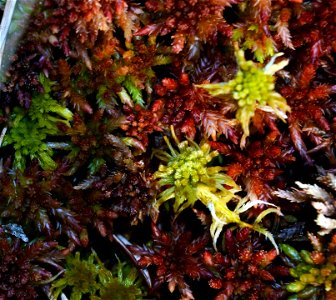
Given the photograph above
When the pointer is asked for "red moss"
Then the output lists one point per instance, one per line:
(187, 21)
(244, 269)
(260, 166)
(22, 266)
(176, 256)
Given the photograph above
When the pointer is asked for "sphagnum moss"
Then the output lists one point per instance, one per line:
(188, 177)
(101, 60)
(252, 88)
(314, 273)
(91, 278)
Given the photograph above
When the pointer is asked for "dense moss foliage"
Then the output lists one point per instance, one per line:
(177, 149)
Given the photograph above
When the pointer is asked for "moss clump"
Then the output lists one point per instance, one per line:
(252, 89)
(314, 272)
(90, 277)
(186, 169)
(29, 130)
(188, 177)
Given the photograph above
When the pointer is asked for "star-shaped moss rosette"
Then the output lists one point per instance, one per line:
(252, 88)
(188, 177)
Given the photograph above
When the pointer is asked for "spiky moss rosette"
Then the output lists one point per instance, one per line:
(188, 177)
(252, 89)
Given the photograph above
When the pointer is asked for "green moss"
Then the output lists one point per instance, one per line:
(91, 278)
(125, 286)
(28, 131)
(80, 275)
(47, 112)
(252, 89)
(254, 39)
(310, 277)
(28, 141)
(135, 92)
(186, 170)
(187, 177)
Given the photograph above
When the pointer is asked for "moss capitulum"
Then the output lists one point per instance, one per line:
(190, 167)
(251, 86)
